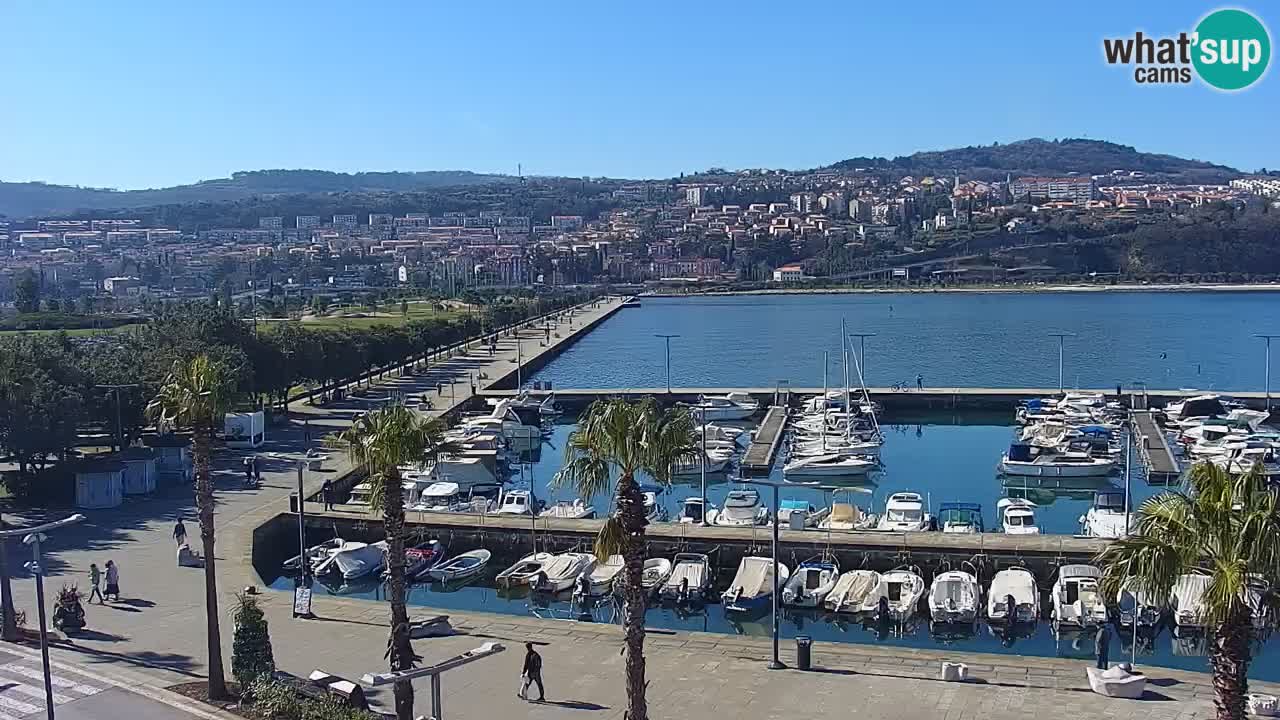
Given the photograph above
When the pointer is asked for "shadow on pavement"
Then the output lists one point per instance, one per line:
(173, 662)
(572, 704)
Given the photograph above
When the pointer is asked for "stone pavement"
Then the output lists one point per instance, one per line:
(156, 634)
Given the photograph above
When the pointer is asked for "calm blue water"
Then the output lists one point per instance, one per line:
(1168, 340)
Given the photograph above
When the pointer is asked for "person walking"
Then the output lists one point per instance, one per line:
(113, 582)
(1103, 642)
(95, 581)
(326, 494)
(248, 471)
(532, 673)
(179, 533)
(919, 381)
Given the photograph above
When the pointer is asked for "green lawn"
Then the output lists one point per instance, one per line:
(384, 315)
(77, 332)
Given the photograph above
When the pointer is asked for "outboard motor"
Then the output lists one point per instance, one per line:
(539, 580)
(583, 591)
(882, 610)
(1011, 608)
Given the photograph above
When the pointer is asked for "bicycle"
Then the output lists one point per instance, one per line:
(901, 386)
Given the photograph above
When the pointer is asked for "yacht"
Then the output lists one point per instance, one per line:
(1013, 597)
(812, 582)
(742, 508)
(734, 406)
(904, 511)
(715, 459)
(752, 586)
(856, 591)
(1077, 599)
(830, 465)
(1028, 460)
(517, 502)
(954, 597)
(961, 518)
(1108, 518)
(837, 445)
(436, 496)
(1017, 516)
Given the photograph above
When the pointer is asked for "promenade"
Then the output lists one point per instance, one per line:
(155, 635)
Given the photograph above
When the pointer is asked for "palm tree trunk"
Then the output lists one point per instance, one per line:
(632, 516)
(1229, 658)
(204, 507)
(401, 652)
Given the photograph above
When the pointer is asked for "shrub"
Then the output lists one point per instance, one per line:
(278, 701)
(251, 655)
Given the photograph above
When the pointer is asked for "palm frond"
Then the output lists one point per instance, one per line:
(611, 540)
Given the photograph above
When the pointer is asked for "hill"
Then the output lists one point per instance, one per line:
(1037, 156)
(28, 199)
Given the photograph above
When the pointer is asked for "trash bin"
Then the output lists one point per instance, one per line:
(799, 519)
(804, 648)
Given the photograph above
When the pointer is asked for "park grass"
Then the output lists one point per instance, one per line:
(389, 314)
(76, 332)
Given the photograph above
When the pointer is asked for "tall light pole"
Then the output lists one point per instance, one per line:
(775, 663)
(1267, 373)
(862, 353)
(1061, 337)
(702, 415)
(668, 339)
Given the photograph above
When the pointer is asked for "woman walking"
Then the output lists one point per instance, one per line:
(113, 582)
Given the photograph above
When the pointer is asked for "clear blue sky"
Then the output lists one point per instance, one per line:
(143, 94)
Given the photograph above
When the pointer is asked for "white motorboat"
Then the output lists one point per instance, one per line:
(694, 510)
(1024, 460)
(655, 573)
(811, 583)
(436, 496)
(1077, 598)
(734, 406)
(1108, 518)
(653, 509)
(954, 597)
(903, 589)
(516, 502)
(604, 574)
(1186, 600)
(793, 507)
(314, 555)
(690, 578)
(855, 591)
(523, 571)
(561, 571)
(361, 496)
(903, 512)
(960, 518)
(571, 509)
(356, 560)
(1134, 605)
(830, 465)
(847, 516)
(742, 508)
(1013, 589)
(464, 471)
(752, 586)
(723, 433)
(715, 459)
(1017, 516)
(460, 567)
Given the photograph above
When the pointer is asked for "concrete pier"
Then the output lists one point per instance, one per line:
(1153, 444)
(758, 459)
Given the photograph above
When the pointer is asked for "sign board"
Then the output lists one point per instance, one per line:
(302, 601)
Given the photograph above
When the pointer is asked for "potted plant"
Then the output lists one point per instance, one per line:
(68, 613)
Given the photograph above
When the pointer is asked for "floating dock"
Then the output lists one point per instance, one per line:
(758, 459)
(1153, 444)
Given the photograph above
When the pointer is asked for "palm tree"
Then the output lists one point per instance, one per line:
(196, 394)
(379, 442)
(1225, 526)
(615, 436)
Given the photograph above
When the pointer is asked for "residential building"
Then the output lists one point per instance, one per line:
(306, 222)
(345, 221)
(1079, 190)
(788, 273)
(271, 223)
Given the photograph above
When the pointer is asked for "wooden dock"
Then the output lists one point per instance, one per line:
(758, 459)
(1153, 444)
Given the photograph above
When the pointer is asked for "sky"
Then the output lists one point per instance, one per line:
(131, 94)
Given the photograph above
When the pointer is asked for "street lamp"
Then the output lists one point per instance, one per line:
(434, 672)
(1267, 373)
(774, 663)
(33, 536)
(1061, 337)
(668, 339)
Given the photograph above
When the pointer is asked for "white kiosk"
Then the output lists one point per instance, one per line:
(244, 430)
(99, 484)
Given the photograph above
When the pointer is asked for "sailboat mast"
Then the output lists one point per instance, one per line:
(826, 360)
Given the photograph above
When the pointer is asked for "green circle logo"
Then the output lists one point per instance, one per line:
(1232, 49)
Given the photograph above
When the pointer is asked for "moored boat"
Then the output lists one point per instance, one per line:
(690, 578)
(1077, 599)
(460, 567)
(523, 571)
(812, 581)
(855, 591)
(752, 586)
(954, 597)
(1013, 597)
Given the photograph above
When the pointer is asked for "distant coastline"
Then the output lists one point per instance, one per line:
(994, 289)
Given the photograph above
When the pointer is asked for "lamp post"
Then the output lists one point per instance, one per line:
(1061, 337)
(775, 663)
(702, 416)
(1267, 372)
(33, 536)
(668, 339)
(434, 672)
(862, 354)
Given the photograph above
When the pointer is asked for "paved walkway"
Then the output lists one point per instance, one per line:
(156, 634)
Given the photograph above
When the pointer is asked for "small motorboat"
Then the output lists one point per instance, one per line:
(856, 591)
(420, 558)
(523, 571)
(694, 510)
(903, 589)
(812, 582)
(829, 465)
(314, 555)
(690, 578)
(460, 567)
(356, 560)
(1077, 599)
(1133, 605)
(1013, 589)
(604, 574)
(572, 510)
(954, 597)
(959, 517)
(716, 459)
(733, 406)
(847, 516)
(516, 502)
(904, 511)
(1017, 516)
(742, 508)
(807, 515)
(655, 573)
(435, 497)
(1108, 518)
(1186, 600)
(752, 586)
(561, 571)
